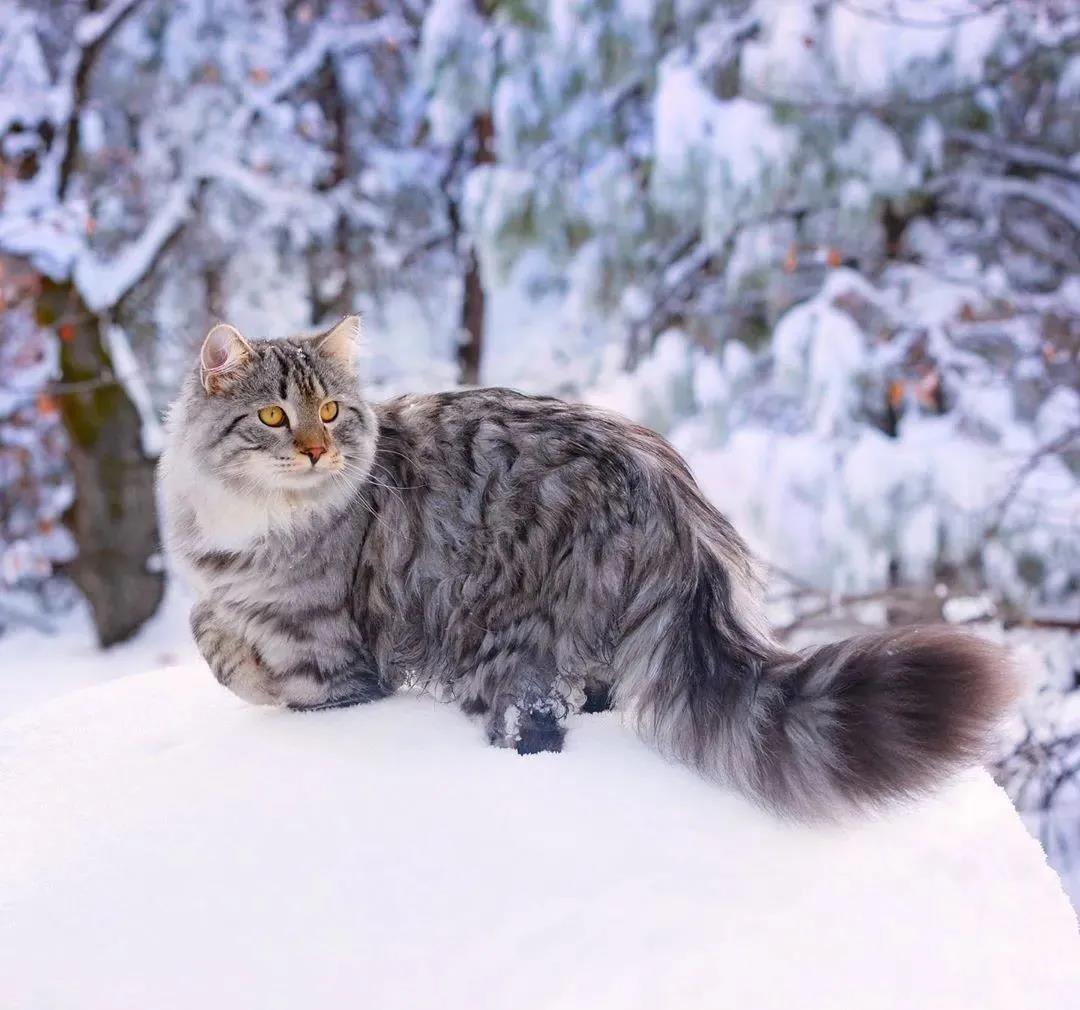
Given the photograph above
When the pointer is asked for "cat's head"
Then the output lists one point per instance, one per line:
(279, 416)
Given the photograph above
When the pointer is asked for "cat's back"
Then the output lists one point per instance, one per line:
(474, 429)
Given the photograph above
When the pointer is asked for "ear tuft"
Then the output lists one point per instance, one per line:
(223, 353)
(342, 342)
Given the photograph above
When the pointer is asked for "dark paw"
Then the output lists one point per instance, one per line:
(540, 733)
(597, 697)
(474, 706)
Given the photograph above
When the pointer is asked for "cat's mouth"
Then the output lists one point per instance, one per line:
(307, 475)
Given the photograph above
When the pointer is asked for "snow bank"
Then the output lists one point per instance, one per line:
(163, 845)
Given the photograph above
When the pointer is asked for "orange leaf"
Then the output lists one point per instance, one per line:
(66, 332)
(791, 260)
(46, 405)
(833, 258)
(896, 393)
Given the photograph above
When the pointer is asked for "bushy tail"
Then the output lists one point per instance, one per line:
(842, 726)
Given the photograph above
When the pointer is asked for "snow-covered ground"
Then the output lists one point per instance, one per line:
(165, 845)
(37, 666)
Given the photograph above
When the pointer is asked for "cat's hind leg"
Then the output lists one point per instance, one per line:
(529, 723)
(597, 696)
(522, 697)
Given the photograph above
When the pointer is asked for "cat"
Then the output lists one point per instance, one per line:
(527, 558)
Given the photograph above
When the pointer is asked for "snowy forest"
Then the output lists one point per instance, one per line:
(830, 248)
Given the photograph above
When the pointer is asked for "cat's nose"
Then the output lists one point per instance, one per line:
(313, 452)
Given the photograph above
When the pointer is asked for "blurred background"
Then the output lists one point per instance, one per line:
(829, 247)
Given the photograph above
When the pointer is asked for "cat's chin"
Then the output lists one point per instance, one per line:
(305, 480)
(329, 489)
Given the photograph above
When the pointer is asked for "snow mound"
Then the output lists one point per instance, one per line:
(163, 845)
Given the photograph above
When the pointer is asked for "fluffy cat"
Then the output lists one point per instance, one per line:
(527, 558)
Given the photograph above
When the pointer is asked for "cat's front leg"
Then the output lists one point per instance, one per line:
(268, 666)
(235, 662)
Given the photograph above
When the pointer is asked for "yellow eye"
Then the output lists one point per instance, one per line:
(272, 416)
(328, 411)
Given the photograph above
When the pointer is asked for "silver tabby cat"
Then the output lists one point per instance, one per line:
(527, 558)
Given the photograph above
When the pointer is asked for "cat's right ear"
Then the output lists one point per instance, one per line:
(224, 352)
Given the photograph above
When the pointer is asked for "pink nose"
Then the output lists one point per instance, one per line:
(313, 452)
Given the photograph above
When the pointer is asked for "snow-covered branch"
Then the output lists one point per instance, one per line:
(1065, 207)
(325, 40)
(92, 28)
(1020, 155)
(103, 283)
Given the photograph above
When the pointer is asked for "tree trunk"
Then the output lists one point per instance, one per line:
(471, 346)
(473, 297)
(113, 518)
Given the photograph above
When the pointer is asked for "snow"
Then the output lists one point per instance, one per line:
(875, 54)
(36, 667)
(178, 848)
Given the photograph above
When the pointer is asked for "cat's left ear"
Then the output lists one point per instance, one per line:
(224, 352)
(342, 342)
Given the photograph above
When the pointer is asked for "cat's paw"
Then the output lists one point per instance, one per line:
(539, 733)
(597, 697)
(532, 731)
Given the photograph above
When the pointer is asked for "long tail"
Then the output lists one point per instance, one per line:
(811, 734)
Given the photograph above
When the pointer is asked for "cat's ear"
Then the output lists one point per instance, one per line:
(342, 342)
(224, 352)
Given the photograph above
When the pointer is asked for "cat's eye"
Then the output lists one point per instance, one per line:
(272, 416)
(328, 411)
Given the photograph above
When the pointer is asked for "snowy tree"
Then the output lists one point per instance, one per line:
(169, 163)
